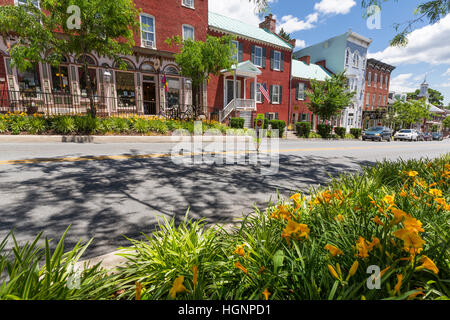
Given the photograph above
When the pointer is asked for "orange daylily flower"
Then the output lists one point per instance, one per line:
(435, 193)
(399, 215)
(353, 270)
(333, 271)
(413, 224)
(239, 266)
(240, 250)
(415, 294)
(177, 287)
(428, 264)
(266, 294)
(339, 217)
(412, 242)
(389, 199)
(399, 283)
(195, 275)
(378, 221)
(333, 250)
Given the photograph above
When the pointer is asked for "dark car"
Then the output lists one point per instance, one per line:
(427, 136)
(437, 136)
(420, 136)
(378, 134)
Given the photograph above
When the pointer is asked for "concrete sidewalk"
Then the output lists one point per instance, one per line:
(114, 139)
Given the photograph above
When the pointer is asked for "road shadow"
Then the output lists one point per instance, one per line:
(110, 199)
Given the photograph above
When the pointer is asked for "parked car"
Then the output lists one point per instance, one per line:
(420, 136)
(427, 136)
(377, 133)
(407, 134)
(437, 136)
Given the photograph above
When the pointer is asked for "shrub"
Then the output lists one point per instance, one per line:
(340, 131)
(303, 129)
(121, 125)
(36, 125)
(63, 125)
(3, 126)
(18, 124)
(86, 124)
(356, 132)
(36, 273)
(106, 125)
(314, 135)
(324, 130)
(237, 123)
(141, 126)
(278, 124)
(158, 126)
(349, 136)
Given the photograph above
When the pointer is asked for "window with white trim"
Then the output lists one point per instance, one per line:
(356, 59)
(148, 38)
(277, 60)
(368, 100)
(300, 91)
(347, 57)
(188, 3)
(276, 94)
(235, 47)
(259, 97)
(24, 2)
(188, 32)
(369, 79)
(258, 56)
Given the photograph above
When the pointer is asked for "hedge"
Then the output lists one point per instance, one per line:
(237, 123)
(303, 129)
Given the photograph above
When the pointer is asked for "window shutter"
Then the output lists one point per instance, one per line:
(281, 94)
(282, 61)
(297, 88)
(276, 116)
(253, 54)
(271, 93)
(272, 54)
(264, 51)
(252, 90)
(241, 52)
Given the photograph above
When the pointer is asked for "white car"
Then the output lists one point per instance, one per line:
(407, 134)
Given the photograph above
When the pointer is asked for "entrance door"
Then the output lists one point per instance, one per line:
(149, 98)
(230, 92)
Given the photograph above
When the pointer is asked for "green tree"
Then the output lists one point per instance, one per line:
(446, 122)
(198, 60)
(329, 98)
(431, 10)
(405, 114)
(435, 97)
(105, 28)
(284, 34)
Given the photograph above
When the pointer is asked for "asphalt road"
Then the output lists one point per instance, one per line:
(105, 191)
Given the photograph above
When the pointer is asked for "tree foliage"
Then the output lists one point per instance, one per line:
(435, 97)
(284, 34)
(106, 28)
(431, 10)
(198, 60)
(446, 122)
(404, 114)
(329, 98)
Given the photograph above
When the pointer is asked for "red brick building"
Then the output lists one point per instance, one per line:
(263, 58)
(139, 88)
(302, 73)
(378, 78)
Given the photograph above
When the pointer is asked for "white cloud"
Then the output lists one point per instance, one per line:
(429, 44)
(444, 85)
(293, 24)
(447, 73)
(242, 10)
(334, 6)
(402, 83)
(300, 44)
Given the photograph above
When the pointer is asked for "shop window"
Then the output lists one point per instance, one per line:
(125, 88)
(60, 79)
(83, 84)
(29, 82)
(173, 96)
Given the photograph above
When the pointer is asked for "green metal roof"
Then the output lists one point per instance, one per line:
(237, 27)
(312, 71)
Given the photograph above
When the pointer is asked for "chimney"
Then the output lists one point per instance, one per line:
(269, 24)
(322, 63)
(306, 59)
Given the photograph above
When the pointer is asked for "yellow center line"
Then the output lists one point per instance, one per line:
(165, 155)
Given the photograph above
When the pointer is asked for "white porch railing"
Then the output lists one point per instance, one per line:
(237, 104)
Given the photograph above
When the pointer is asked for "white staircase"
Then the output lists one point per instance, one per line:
(242, 105)
(247, 116)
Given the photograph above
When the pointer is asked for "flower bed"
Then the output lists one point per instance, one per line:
(392, 221)
(21, 123)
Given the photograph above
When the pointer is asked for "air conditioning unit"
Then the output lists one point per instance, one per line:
(149, 44)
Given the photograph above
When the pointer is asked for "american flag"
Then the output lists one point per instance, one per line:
(264, 92)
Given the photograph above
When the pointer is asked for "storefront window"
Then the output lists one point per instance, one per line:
(125, 88)
(173, 96)
(83, 84)
(29, 82)
(60, 79)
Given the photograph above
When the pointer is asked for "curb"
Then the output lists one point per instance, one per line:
(116, 139)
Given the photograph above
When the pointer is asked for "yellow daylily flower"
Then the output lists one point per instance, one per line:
(435, 193)
(266, 294)
(412, 173)
(333, 271)
(428, 264)
(353, 270)
(240, 250)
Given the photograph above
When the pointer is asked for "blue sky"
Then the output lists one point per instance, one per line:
(312, 21)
